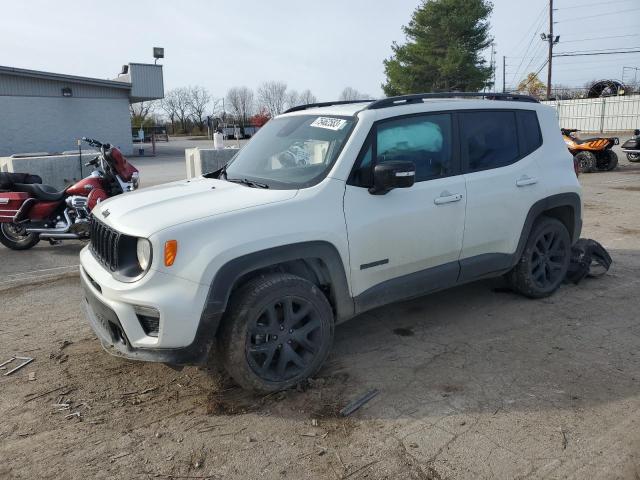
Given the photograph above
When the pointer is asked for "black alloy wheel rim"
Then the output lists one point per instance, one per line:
(548, 259)
(14, 232)
(284, 339)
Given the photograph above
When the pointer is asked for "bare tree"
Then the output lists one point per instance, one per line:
(198, 101)
(142, 110)
(350, 94)
(293, 99)
(306, 97)
(240, 101)
(273, 97)
(181, 99)
(169, 105)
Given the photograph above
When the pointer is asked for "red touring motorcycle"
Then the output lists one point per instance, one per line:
(30, 211)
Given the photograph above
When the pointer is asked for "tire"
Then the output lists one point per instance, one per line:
(266, 341)
(586, 161)
(609, 161)
(15, 237)
(633, 157)
(545, 260)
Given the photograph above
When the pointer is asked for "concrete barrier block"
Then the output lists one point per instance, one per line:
(204, 160)
(59, 171)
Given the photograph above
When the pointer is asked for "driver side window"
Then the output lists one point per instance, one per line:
(425, 140)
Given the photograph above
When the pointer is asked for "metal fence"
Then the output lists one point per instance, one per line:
(606, 114)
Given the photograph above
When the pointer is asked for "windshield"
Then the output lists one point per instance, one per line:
(291, 152)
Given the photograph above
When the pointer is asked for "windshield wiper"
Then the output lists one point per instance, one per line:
(249, 183)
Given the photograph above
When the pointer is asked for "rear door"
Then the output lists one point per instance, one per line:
(499, 149)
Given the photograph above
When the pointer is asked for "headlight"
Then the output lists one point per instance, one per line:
(143, 251)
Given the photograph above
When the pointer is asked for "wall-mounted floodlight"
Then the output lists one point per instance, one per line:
(66, 92)
(158, 52)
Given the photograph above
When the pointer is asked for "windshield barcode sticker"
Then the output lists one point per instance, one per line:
(329, 123)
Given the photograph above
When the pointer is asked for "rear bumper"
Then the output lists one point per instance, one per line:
(107, 326)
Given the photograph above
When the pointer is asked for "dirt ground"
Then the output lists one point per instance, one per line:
(475, 382)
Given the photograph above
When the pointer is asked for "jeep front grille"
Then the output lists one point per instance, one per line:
(104, 244)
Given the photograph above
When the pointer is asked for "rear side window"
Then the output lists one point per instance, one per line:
(489, 139)
(529, 130)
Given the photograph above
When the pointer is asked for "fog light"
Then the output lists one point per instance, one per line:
(170, 252)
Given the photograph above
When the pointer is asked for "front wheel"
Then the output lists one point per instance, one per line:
(545, 260)
(633, 157)
(15, 237)
(586, 161)
(277, 332)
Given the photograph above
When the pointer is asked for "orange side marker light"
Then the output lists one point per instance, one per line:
(170, 252)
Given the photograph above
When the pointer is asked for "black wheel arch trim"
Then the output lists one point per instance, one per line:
(227, 276)
(571, 199)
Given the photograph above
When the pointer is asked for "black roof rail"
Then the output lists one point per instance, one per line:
(324, 104)
(419, 97)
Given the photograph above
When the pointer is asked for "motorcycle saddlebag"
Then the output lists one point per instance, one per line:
(632, 144)
(10, 203)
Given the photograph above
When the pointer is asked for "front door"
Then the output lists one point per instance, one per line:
(407, 241)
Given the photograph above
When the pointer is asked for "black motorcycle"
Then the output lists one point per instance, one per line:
(632, 147)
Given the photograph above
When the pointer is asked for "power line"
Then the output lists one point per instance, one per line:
(601, 38)
(598, 15)
(593, 53)
(539, 20)
(593, 4)
(605, 50)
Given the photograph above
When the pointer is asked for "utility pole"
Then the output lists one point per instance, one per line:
(550, 49)
(548, 37)
(504, 74)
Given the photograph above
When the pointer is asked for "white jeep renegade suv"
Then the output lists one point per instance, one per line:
(331, 210)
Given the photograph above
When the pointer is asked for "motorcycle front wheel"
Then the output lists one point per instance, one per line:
(15, 237)
(633, 157)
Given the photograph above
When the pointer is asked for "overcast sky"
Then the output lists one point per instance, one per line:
(323, 45)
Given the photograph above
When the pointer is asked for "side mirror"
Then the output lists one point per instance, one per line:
(390, 175)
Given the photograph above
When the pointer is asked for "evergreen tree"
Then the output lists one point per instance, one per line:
(445, 40)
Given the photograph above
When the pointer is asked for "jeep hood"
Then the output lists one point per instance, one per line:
(149, 210)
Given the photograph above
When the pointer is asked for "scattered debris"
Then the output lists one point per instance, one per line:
(65, 344)
(120, 455)
(39, 395)
(565, 442)
(356, 404)
(32, 376)
(25, 361)
(413, 445)
(588, 259)
(314, 422)
(74, 414)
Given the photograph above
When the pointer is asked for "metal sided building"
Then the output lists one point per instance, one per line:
(49, 112)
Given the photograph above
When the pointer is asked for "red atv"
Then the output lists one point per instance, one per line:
(30, 211)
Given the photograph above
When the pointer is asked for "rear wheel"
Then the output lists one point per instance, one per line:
(609, 161)
(633, 157)
(277, 332)
(545, 260)
(586, 162)
(16, 237)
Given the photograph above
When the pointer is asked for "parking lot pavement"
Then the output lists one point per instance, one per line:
(474, 382)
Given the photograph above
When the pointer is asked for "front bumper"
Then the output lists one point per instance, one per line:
(187, 323)
(106, 324)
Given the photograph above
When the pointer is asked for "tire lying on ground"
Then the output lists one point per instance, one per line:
(278, 331)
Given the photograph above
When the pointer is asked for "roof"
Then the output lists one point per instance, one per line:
(429, 104)
(22, 72)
